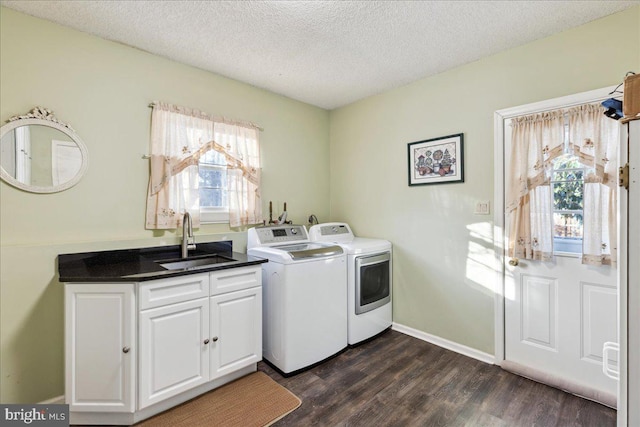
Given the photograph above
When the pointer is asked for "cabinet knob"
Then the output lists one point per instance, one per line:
(206, 341)
(214, 339)
(125, 349)
(514, 262)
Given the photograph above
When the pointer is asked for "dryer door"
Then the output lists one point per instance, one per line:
(373, 282)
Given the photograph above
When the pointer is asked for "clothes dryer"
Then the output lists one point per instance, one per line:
(369, 279)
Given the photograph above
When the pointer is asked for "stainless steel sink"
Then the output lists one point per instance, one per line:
(185, 264)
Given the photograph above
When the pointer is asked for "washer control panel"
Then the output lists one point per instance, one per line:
(276, 234)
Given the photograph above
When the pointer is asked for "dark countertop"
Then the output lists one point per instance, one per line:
(138, 265)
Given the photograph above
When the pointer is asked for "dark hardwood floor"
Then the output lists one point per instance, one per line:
(398, 380)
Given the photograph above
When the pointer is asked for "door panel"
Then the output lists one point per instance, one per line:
(596, 328)
(538, 313)
(557, 318)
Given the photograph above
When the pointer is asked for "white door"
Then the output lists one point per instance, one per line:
(236, 330)
(558, 315)
(100, 347)
(629, 409)
(174, 350)
(66, 161)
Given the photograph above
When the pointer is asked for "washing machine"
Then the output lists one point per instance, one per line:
(369, 280)
(304, 297)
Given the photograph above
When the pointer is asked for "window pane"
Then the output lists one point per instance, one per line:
(568, 162)
(570, 175)
(567, 195)
(213, 197)
(212, 157)
(567, 225)
(213, 177)
(213, 180)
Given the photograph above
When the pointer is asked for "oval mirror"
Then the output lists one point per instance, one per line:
(40, 154)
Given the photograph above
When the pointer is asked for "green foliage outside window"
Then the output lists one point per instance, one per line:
(568, 191)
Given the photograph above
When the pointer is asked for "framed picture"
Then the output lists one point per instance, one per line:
(436, 161)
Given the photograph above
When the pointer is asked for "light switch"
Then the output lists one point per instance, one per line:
(482, 208)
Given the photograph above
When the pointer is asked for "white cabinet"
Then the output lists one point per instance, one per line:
(100, 347)
(236, 330)
(174, 355)
(173, 337)
(194, 333)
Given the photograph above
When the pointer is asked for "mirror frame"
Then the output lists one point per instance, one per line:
(44, 117)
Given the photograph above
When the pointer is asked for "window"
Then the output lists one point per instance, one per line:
(207, 166)
(567, 182)
(214, 200)
(562, 197)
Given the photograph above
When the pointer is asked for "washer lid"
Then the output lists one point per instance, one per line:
(363, 245)
(301, 251)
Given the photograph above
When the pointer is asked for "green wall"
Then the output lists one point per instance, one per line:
(443, 254)
(103, 89)
(444, 263)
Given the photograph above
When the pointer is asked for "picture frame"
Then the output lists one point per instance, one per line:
(436, 160)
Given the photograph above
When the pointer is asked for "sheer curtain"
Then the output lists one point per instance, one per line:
(179, 137)
(536, 140)
(242, 151)
(593, 137)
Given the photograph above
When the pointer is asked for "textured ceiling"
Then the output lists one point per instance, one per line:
(325, 53)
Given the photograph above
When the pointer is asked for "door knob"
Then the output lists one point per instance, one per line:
(514, 261)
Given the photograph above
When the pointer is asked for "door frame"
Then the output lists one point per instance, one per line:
(500, 117)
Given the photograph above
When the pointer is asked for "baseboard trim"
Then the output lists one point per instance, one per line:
(58, 400)
(444, 343)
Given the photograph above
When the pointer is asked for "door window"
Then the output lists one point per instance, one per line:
(567, 182)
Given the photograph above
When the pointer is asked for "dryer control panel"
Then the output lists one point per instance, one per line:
(332, 230)
(338, 232)
(276, 234)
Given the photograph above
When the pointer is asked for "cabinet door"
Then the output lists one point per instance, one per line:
(100, 347)
(174, 350)
(236, 330)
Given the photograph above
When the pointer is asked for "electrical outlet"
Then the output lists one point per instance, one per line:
(482, 208)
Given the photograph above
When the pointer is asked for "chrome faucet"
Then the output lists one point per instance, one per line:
(188, 241)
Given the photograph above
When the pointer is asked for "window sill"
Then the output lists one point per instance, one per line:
(214, 221)
(567, 254)
(210, 216)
